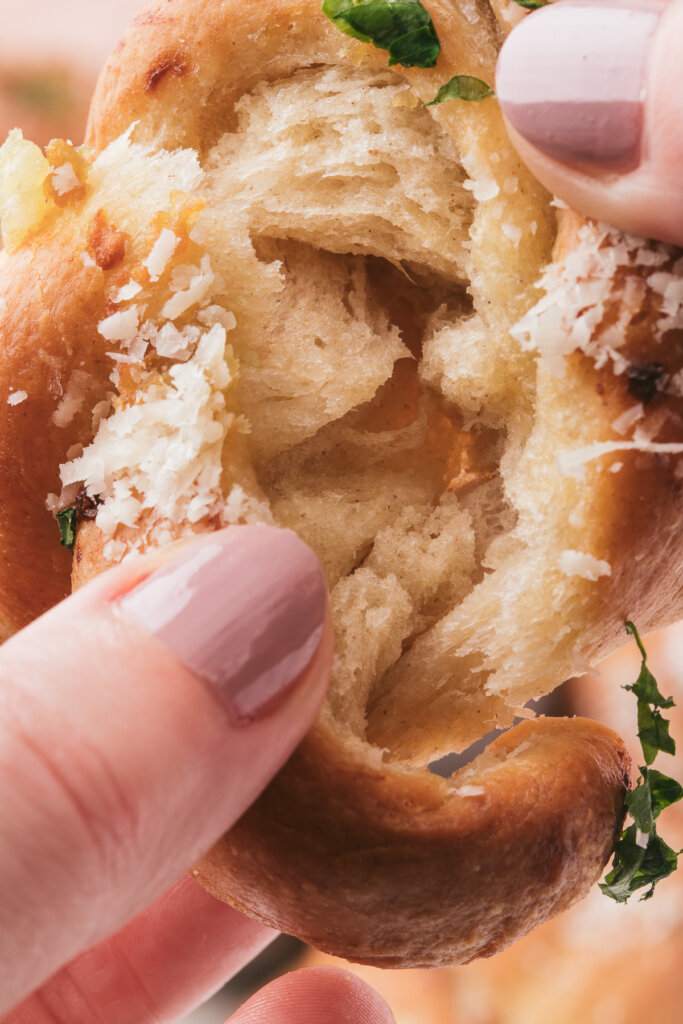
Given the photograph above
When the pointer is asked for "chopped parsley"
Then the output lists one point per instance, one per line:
(462, 87)
(532, 5)
(66, 521)
(641, 857)
(403, 27)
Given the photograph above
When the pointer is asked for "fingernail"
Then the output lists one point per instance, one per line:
(571, 80)
(244, 609)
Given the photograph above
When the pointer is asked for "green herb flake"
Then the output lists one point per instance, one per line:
(532, 5)
(66, 521)
(462, 87)
(403, 27)
(653, 729)
(641, 857)
(663, 790)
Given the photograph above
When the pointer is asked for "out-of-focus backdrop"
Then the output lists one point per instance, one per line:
(599, 963)
(50, 54)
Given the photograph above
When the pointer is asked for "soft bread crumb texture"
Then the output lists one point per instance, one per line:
(347, 256)
(379, 393)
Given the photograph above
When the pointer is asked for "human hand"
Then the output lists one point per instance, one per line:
(138, 720)
(592, 93)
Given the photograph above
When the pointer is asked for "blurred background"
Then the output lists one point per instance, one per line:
(600, 963)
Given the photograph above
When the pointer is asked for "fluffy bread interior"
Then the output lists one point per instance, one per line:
(340, 246)
(373, 395)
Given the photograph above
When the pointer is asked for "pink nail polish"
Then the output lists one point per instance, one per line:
(571, 79)
(244, 609)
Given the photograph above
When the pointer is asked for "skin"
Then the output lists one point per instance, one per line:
(647, 201)
(119, 767)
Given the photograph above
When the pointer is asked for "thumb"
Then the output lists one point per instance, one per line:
(138, 720)
(591, 90)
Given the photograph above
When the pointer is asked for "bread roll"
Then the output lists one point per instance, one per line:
(601, 961)
(283, 290)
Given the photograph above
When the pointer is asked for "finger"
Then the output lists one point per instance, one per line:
(317, 995)
(591, 90)
(167, 961)
(138, 720)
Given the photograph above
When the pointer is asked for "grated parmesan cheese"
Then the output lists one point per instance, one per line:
(129, 291)
(122, 326)
(572, 462)
(17, 398)
(578, 563)
(64, 179)
(171, 343)
(588, 307)
(135, 354)
(217, 315)
(163, 453)
(622, 424)
(57, 502)
(161, 254)
(670, 287)
(114, 550)
(191, 285)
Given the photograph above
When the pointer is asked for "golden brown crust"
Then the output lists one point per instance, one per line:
(400, 870)
(53, 321)
(622, 963)
(220, 53)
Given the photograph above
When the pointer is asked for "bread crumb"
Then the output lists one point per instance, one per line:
(482, 189)
(524, 712)
(513, 233)
(406, 98)
(578, 563)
